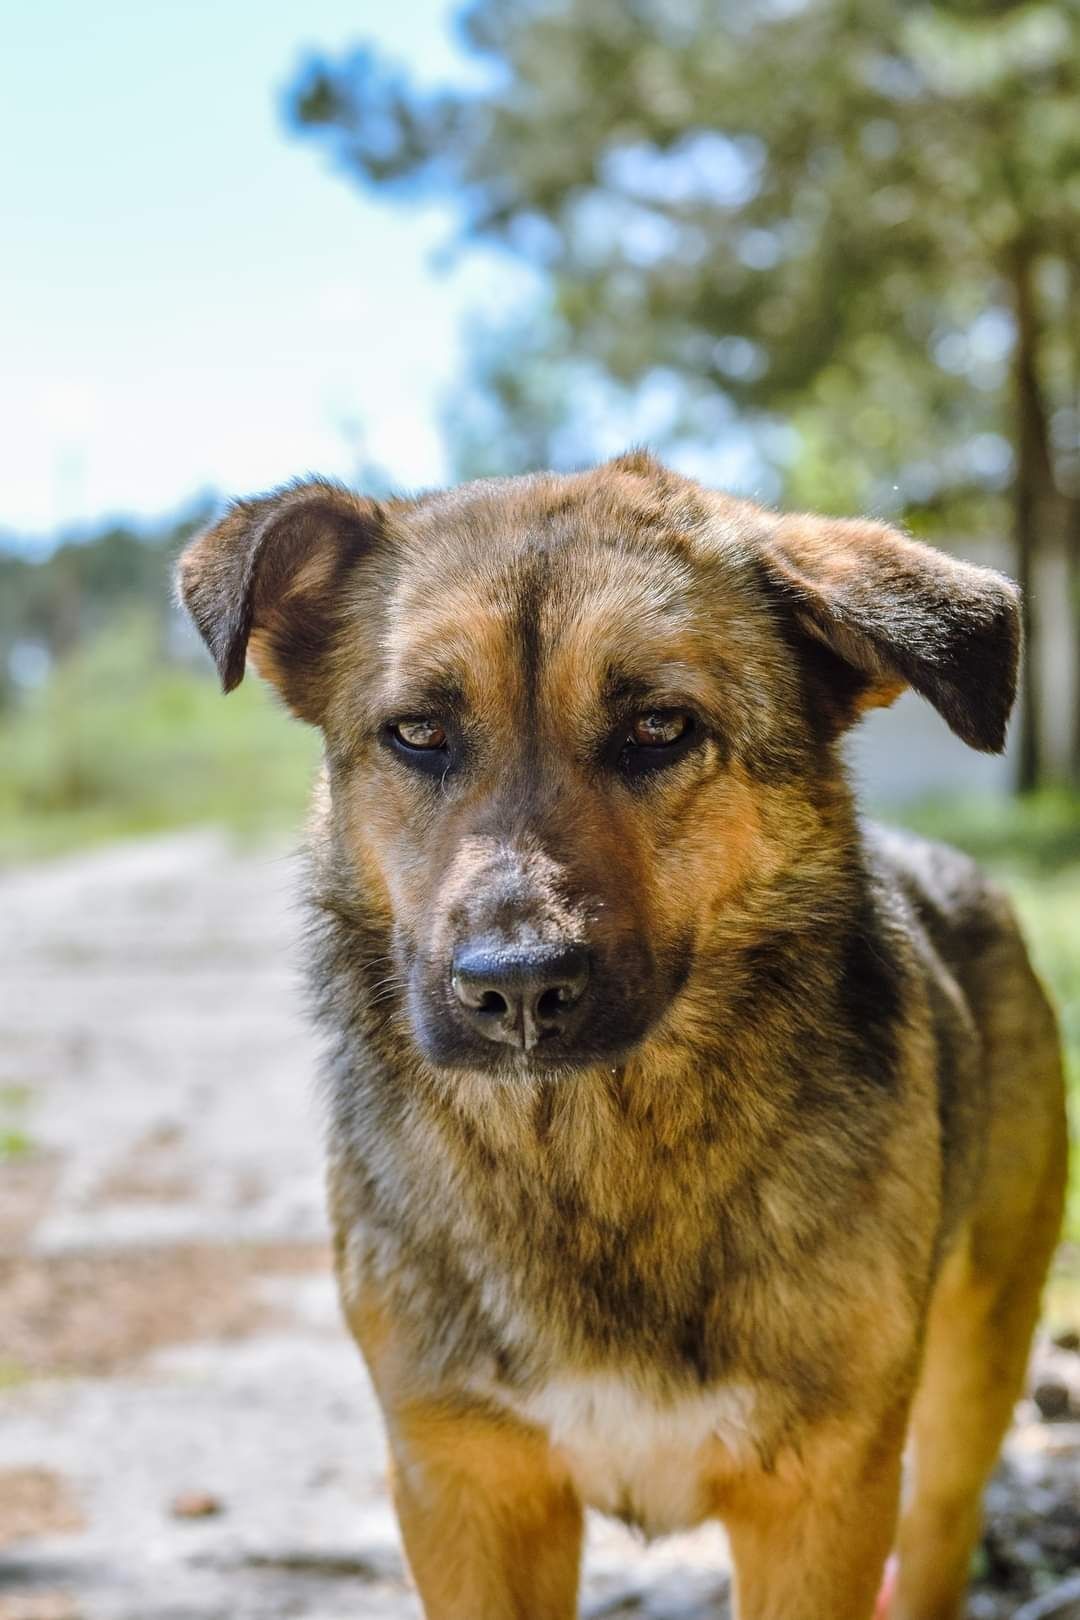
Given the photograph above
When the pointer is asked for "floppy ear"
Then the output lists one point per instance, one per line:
(270, 579)
(899, 614)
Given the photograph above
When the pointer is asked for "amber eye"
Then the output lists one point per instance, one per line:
(659, 728)
(419, 734)
(657, 738)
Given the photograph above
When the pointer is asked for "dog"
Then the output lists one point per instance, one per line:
(692, 1146)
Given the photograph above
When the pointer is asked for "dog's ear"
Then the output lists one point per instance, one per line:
(896, 613)
(271, 579)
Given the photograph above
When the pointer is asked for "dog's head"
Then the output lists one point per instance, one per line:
(572, 721)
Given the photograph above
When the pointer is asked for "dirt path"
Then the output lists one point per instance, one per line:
(185, 1431)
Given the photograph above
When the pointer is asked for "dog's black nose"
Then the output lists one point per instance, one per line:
(519, 994)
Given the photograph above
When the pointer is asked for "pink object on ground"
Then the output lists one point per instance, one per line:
(888, 1590)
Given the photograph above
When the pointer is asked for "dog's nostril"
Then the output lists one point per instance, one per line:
(492, 1002)
(552, 1002)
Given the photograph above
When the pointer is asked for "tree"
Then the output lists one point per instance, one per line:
(858, 217)
(52, 605)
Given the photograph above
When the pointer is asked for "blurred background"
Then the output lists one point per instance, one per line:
(825, 253)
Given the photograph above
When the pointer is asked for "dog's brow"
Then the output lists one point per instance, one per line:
(622, 685)
(439, 695)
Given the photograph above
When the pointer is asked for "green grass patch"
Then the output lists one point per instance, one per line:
(15, 1145)
(121, 742)
(1036, 837)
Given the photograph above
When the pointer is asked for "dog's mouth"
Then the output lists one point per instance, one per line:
(550, 1063)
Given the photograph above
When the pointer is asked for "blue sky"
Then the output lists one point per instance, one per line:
(192, 298)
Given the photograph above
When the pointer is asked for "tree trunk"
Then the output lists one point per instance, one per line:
(1029, 487)
(1072, 563)
(1070, 482)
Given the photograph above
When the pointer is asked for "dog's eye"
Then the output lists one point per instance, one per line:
(422, 744)
(419, 734)
(660, 728)
(657, 738)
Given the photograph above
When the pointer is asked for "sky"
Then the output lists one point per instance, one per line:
(193, 299)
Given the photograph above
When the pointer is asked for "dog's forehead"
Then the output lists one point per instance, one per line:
(488, 586)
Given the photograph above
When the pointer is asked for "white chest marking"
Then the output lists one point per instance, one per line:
(636, 1455)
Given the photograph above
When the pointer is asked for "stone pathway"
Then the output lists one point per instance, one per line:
(186, 1433)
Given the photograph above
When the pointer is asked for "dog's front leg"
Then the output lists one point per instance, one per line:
(810, 1540)
(491, 1523)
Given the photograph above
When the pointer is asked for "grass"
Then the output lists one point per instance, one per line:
(15, 1143)
(1029, 839)
(120, 743)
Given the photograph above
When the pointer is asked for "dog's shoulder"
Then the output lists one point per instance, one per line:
(964, 921)
(993, 1030)
(959, 906)
(967, 941)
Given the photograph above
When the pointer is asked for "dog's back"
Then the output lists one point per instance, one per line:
(999, 1070)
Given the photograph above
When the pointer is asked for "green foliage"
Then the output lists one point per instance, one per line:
(840, 239)
(812, 210)
(121, 741)
(58, 601)
(1030, 840)
(15, 1143)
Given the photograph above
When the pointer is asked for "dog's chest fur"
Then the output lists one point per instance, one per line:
(638, 1456)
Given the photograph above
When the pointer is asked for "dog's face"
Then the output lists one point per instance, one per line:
(545, 781)
(573, 722)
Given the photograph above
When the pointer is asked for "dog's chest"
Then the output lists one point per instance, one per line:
(636, 1455)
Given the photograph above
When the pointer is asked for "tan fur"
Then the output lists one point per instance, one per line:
(795, 1172)
(811, 1538)
(491, 1524)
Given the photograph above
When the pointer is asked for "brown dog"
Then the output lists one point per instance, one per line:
(690, 1144)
